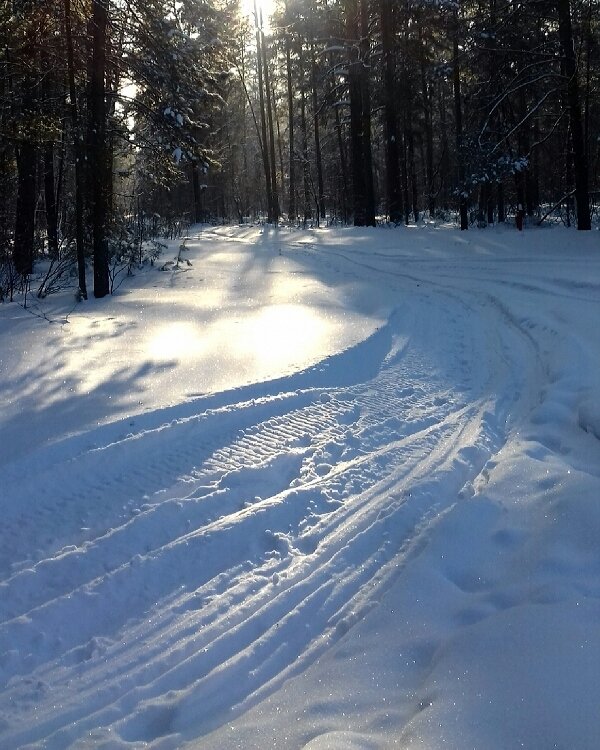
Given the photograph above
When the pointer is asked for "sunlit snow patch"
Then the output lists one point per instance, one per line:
(175, 341)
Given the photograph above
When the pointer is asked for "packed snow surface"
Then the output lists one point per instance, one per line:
(317, 489)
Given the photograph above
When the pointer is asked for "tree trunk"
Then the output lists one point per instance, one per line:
(99, 168)
(272, 164)
(197, 193)
(590, 43)
(50, 201)
(445, 167)
(490, 202)
(410, 140)
(428, 123)
(304, 129)
(501, 208)
(318, 157)
(582, 198)
(404, 169)
(366, 111)
(392, 162)
(263, 120)
(343, 165)
(359, 188)
(462, 202)
(26, 163)
(360, 135)
(568, 177)
(481, 205)
(79, 186)
(292, 158)
(26, 157)
(279, 154)
(525, 183)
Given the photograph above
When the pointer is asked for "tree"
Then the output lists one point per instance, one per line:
(360, 112)
(574, 108)
(23, 86)
(100, 169)
(458, 123)
(392, 163)
(77, 150)
(112, 111)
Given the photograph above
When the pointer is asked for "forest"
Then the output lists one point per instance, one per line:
(124, 121)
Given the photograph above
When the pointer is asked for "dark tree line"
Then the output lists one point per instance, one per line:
(103, 106)
(119, 116)
(405, 110)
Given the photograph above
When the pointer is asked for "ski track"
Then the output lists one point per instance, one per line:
(236, 543)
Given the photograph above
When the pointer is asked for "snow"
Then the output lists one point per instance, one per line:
(320, 489)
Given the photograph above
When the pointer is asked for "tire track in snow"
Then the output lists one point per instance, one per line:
(253, 588)
(160, 449)
(260, 612)
(269, 460)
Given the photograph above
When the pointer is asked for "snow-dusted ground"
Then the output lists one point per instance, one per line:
(322, 489)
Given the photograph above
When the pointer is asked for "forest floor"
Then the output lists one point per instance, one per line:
(323, 489)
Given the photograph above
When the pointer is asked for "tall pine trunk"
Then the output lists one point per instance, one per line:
(365, 55)
(79, 181)
(410, 142)
(582, 198)
(291, 143)
(343, 165)
(318, 156)
(263, 120)
(360, 135)
(428, 124)
(304, 130)
(26, 158)
(197, 194)
(501, 207)
(462, 197)
(50, 201)
(392, 161)
(445, 166)
(270, 107)
(100, 171)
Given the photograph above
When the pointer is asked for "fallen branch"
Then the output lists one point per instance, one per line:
(555, 206)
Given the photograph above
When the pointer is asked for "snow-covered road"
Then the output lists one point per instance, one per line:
(384, 544)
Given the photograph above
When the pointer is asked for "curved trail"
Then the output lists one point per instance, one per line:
(237, 542)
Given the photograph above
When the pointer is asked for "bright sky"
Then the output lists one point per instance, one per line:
(267, 7)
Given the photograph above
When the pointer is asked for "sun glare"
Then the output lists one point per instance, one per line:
(264, 7)
(174, 341)
(280, 335)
